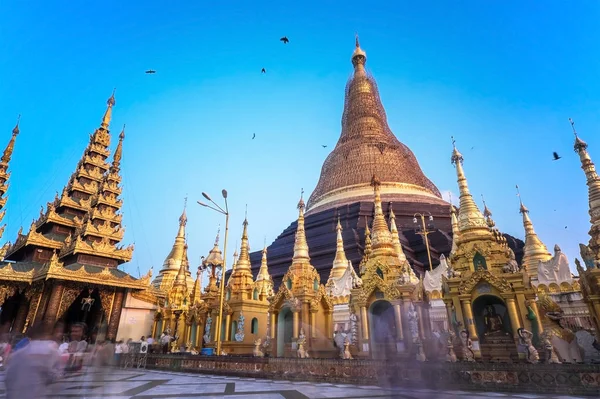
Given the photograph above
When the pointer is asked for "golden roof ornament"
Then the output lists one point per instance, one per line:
(368, 243)
(593, 183)
(359, 58)
(11, 144)
(214, 257)
(300, 243)
(470, 219)
(243, 262)
(118, 155)
(110, 103)
(381, 236)
(340, 262)
(396, 236)
(264, 281)
(534, 250)
(455, 230)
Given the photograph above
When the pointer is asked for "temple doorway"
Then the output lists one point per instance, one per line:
(383, 329)
(86, 308)
(285, 331)
(492, 323)
(8, 312)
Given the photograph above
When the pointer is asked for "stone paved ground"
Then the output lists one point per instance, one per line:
(141, 384)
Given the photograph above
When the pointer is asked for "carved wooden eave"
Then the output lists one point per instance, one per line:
(50, 216)
(106, 214)
(92, 174)
(109, 199)
(103, 230)
(33, 238)
(3, 201)
(56, 270)
(112, 187)
(8, 273)
(90, 188)
(82, 204)
(283, 295)
(102, 249)
(500, 283)
(148, 295)
(99, 149)
(96, 161)
(113, 176)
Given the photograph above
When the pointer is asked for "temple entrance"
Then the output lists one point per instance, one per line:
(492, 322)
(9, 311)
(383, 329)
(285, 331)
(86, 308)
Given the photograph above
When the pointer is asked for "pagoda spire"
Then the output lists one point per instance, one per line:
(455, 230)
(4, 176)
(243, 262)
(340, 263)
(396, 236)
(176, 257)
(368, 243)
(264, 281)
(196, 295)
(110, 103)
(471, 223)
(118, 155)
(593, 183)
(534, 250)
(491, 224)
(300, 243)
(381, 235)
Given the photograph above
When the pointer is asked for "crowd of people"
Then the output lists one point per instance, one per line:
(45, 354)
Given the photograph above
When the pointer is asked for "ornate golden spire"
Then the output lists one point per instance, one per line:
(455, 230)
(491, 224)
(118, 155)
(359, 59)
(340, 263)
(108, 114)
(300, 244)
(593, 183)
(178, 255)
(215, 256)
(381, 236)
(396, 236)
(470, 220)
(196, 295)
(11, 144)
(368, 243)
(243, 262)
(264, 281)
(534, 250)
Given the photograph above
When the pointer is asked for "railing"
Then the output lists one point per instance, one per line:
(573, 379)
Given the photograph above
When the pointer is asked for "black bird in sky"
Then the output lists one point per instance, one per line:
(285, 40)
(323, 145)
(150, 71)
(556, 156)
(263, 70)
(253, 136)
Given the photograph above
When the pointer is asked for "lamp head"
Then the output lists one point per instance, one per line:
(224, 192)
(201, 203)
(206, 196)
(415, 220)
(430, 218)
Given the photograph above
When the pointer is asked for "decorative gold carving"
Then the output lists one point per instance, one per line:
(70, 293)
(500, 283)
(106, 298)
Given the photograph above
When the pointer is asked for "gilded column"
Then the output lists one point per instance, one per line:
(115, 314)
(313, 324)
(295, 328)
(364, 322)
(468, 314)
(154, 325)
(398, 314)
(421, 328)
(329, 324)
(515, 322)
(54, 302)
(227, 328)
(273, 325)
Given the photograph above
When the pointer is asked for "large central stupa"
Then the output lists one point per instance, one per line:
(366, 148)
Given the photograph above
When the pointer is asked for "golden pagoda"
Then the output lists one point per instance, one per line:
(387, 296)
(166, 276)
(590, 277)
(487, 293)
(66, 266)
(301, 309)
(534, 250)
(247, 300)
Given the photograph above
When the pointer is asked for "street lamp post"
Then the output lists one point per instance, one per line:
(423, 231)
(225, 212)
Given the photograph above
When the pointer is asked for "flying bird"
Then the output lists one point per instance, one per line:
(556, 156)
(253, 136)
(263, 70)
(150, 71)
(285, 40)
(323, 145)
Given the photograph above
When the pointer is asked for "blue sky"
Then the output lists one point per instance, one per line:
(502, 77)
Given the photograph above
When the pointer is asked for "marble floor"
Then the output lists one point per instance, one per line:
(141, 384)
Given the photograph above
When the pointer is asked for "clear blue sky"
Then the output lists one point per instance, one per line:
(502, 77)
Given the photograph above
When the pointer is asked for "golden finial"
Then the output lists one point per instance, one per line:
(11, 144)
(357, 44)
(579, 144)
(108, 114)
(573, 127)
(522, 208)
(183, 217)
(486, 211)
(118, 155)
(301, 202)
(217, 237)
(122, 135)
(456, 155)
(359, 57)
